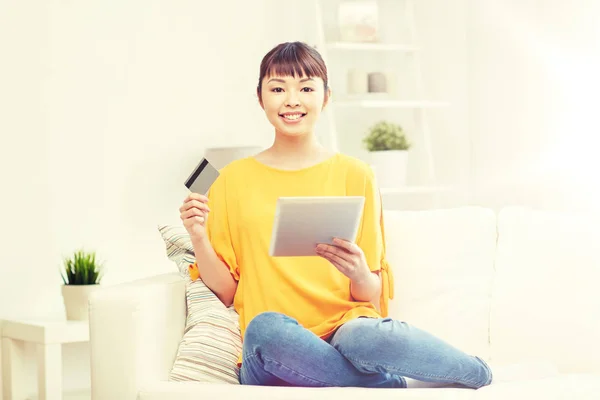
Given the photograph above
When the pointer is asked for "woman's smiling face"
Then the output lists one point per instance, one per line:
(293, 103)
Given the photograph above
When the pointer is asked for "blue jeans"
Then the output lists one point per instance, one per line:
(364, 352)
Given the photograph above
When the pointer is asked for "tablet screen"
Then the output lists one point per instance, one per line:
(303, 222)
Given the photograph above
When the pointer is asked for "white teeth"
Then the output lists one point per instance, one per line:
(292, 116)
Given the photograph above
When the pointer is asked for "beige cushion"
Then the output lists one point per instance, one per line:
(443, 263)
(545, 304)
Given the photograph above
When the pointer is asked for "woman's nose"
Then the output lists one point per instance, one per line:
(292, 99)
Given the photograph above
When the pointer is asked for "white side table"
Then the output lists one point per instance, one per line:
(48, 336)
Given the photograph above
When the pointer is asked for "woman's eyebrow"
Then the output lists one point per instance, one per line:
(283, 81)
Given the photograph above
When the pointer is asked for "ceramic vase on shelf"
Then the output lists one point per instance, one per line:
(377, 82)
(357, 81)
(390, 167)
(388, 147)
(358, 21)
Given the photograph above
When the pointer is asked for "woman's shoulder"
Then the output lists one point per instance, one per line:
(355, 166)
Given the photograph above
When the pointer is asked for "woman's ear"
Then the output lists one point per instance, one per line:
(259, 98)
(328, 95)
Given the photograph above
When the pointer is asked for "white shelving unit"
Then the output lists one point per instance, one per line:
(419, 106)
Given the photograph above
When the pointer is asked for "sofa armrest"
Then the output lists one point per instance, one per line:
(135, 330)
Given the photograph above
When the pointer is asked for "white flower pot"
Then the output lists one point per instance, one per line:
(76, 300)
(390, 167)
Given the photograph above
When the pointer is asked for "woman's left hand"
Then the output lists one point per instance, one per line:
(347, 257)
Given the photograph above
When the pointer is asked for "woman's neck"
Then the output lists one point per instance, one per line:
(298, 147)
(294, 152)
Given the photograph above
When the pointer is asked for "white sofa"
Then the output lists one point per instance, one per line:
(519, 289)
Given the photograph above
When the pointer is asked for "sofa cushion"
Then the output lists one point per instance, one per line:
(211, 343)
(443, 263)
(566, 386)
(546, 303)
(194, 391)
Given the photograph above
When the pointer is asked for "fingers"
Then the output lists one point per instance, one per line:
(194, 204)
(193, 212)
(334, 258)
(193, 219)
(328, 250)
(196, 196)
(339, 263)
(349, 246)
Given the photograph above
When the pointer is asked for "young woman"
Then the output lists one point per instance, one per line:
(309, 321)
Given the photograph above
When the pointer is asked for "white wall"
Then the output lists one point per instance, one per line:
(534, 84)
(105, 109)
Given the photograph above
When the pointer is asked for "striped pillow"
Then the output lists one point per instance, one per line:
(211, 343)
(179, 247)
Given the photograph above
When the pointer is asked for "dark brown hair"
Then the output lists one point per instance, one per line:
(295, 59)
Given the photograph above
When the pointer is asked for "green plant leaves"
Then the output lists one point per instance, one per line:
(386, 136)
(81, 269)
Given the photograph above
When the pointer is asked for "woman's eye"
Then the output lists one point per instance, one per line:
(307, 89)
(277, 90)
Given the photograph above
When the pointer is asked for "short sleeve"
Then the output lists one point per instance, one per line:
(218, 228)
(371, 239)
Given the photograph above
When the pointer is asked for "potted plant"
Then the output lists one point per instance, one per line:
(81, 274)
(388, 148)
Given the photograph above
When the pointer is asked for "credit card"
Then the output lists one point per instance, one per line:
(202, 178)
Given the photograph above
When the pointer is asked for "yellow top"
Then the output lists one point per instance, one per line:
(242, 202)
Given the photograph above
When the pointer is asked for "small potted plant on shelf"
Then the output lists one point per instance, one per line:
(81, 275)
(388, 148)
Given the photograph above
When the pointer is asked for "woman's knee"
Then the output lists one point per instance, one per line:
(266, 327)
(356, 338)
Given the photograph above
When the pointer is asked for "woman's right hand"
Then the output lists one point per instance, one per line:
(194, 213)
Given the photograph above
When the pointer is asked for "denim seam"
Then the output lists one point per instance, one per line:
(289, 369)
(400, 372)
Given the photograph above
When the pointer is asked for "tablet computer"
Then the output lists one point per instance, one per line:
(301, 223)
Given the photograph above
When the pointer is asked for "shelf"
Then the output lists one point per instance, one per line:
(377, 103)
(417, 189)
(350, 46)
